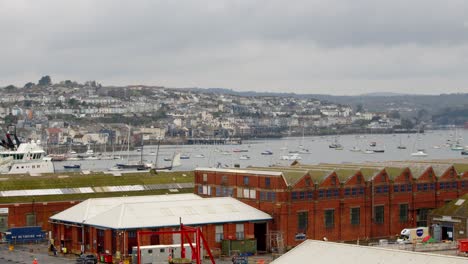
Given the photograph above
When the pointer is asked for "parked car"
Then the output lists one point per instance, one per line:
(86, 259)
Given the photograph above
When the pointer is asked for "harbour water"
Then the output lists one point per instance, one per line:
(312, 150)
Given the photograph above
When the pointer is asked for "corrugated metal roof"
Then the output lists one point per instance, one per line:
(159, 211)
(331, 253)
(249, 171)
(95, 206)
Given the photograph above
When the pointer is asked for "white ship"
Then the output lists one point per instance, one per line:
(23, 157)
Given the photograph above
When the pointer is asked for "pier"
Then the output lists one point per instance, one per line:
(214, 141)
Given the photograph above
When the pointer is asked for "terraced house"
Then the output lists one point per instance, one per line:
(340, 202)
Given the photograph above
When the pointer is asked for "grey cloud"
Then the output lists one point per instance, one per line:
(263, 44)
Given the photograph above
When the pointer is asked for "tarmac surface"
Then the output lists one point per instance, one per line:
(25, 254)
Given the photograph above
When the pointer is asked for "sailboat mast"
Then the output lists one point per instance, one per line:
(157, 154)
(141, 153)
(128, 145)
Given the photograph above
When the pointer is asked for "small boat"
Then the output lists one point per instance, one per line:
(167, 159)
(339, 147)
(267, 152)
(184, 157)
(368, 151)
(401, 147)
(200, 156)
(125, 166)
(304, 151)
(379, 150)
(294, 156)
(244, 157)
(57, 157)
(373, 144)
(419, 153)
(240, 150)
(464, 152)
(457, 147)
(74, 158)
(75, 166)
(226, 153)
(355, 149)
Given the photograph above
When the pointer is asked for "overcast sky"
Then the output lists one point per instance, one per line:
(302, 46)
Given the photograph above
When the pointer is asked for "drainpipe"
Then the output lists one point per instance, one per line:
(372, 207)
(82, 237)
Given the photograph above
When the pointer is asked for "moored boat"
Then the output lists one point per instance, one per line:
(74, 166)
(184, 157)
(23, 157)
(419, 153)
(244, 157)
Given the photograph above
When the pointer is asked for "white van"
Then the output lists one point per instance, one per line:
(413, 235)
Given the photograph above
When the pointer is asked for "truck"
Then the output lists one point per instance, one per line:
(27, 234)
(413, 235)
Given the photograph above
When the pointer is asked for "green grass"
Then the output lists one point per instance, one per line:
(75, 180)
(461, 167)
(84, 196)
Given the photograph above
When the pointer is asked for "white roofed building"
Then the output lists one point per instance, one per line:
(313, 251)
(111, 224)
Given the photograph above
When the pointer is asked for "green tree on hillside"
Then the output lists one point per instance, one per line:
(29, 85)
(45, 81)
(10, 88)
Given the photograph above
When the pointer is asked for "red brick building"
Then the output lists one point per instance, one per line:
(31, 214)
(336, 201)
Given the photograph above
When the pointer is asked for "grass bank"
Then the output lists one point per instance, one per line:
(76, 180)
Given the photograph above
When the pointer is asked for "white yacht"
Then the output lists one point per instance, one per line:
(419, 153)
(293, 156)
(23, 157)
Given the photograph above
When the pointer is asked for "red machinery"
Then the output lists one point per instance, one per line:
(463, 245)
(184, 234)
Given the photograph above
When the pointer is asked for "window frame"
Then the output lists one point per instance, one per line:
(355, 218)
(329, 218)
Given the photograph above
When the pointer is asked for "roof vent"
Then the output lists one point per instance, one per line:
(460, 202)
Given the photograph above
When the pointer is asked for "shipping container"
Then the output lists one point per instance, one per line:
(27, 234)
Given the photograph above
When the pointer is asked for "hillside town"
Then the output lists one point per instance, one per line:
(89, 113)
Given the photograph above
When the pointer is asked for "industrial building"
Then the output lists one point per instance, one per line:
(341, 202)
(329, 252)
(110, 225)
(450, 222)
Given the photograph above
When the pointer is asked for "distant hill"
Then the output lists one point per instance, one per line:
(441, 106)
(240, 93)
(383, 94)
